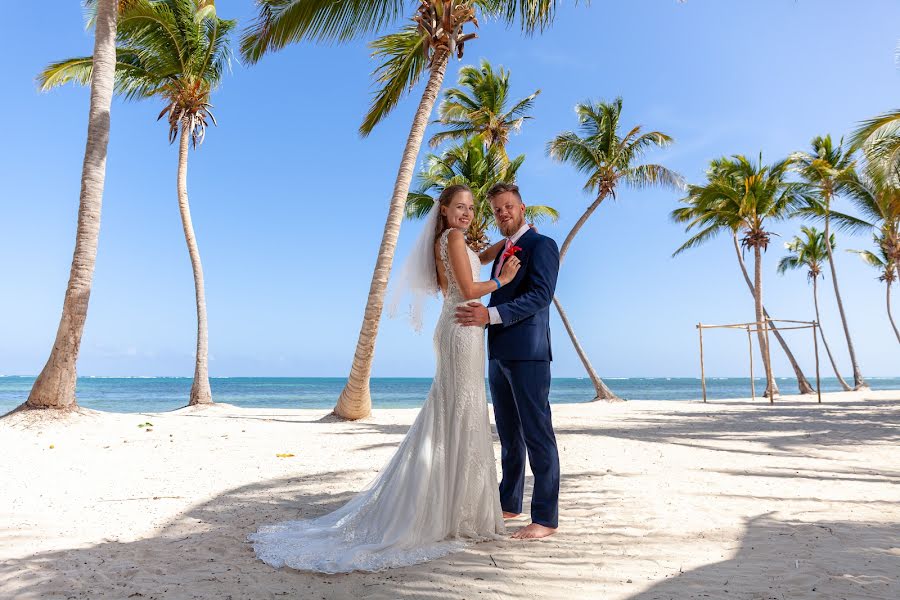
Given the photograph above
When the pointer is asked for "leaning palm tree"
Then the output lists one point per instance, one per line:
(479, 107)
(405, 56)
(881, 260)
(809, 252)
(609, 159)
(744, 196)
(825, 169)
(177, 51)
(55, 385)
(689, 213)
(479, 167)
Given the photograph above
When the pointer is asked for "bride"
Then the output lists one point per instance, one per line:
(438, 493)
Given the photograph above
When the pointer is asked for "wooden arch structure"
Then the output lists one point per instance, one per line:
(755, 327)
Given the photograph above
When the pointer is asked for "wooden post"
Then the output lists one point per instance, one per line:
(769, 358)
(815, 326)
(752, 384)
(702, 372)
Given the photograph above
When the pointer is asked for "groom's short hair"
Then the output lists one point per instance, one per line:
(500, 188)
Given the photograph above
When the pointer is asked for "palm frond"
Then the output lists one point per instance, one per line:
(282, 22)
(402, 65)
(537, 213)
(876, 125)
(644, 176)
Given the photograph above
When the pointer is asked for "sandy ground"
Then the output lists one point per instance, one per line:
(659, 500)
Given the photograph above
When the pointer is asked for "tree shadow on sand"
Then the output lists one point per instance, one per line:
(781, 560)
(786, 429)
(203, 553)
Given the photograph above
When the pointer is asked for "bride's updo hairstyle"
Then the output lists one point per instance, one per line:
(444, 200)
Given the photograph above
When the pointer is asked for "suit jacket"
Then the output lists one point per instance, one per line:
(524, 303)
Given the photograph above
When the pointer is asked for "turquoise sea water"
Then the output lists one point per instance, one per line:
(153, 394)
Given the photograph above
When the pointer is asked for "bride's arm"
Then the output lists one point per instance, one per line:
(462, 269)
(490, 253)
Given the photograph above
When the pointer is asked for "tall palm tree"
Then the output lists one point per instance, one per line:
(881, 260)
(55, 385)
(744, 196)
(686, 214)
(405, 57)
(479, 166)
(177, 51)
(809, 252)
(609, 159)
(479, 107)
(825, 169)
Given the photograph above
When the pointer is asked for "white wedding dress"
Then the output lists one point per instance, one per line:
(437, 494)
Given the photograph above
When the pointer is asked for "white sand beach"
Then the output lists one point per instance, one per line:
(659, 500)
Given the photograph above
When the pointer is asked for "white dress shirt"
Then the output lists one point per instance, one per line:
(492, 310)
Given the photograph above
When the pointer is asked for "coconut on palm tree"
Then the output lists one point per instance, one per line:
(479, 107)
(479, 166)
(404, 56)
(176, 51)
(881, 260)
(809, 252)
(742, 196)
(825, 169)
(609, 159)
(55, 385)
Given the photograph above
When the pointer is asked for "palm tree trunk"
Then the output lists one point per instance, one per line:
(858, 381)
(837, 373)
(200, 390)
(602, 392)
(590, 210)
(802, 382)
(890, 315)
(55, 385)
(771, 390)
(355, 401)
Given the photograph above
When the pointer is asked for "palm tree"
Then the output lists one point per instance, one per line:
(55, 385)
(175, 50)
(809, 252)
(608, 158)
(687, 214)
(744, 196)
(479, 166)
(881, 260)
(478, 107)
(825, 169)
(405, 56)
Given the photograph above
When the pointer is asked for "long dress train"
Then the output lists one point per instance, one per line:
(437, 494)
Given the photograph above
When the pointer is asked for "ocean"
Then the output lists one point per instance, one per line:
(154, 394)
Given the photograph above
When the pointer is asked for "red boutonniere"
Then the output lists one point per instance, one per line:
(512, 250)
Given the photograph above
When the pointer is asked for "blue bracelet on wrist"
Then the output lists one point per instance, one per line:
(497, 281)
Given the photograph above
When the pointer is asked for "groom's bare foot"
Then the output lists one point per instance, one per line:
(533, 531)
(510, 515)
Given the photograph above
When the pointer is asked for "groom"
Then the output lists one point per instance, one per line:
(518, 319)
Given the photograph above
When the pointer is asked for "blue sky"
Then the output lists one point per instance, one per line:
(289, 202)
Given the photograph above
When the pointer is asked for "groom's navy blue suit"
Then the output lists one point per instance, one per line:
(519, 377)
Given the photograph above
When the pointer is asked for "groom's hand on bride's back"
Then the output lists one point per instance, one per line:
(473, 314)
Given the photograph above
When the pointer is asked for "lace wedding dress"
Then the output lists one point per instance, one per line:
(437, 494)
